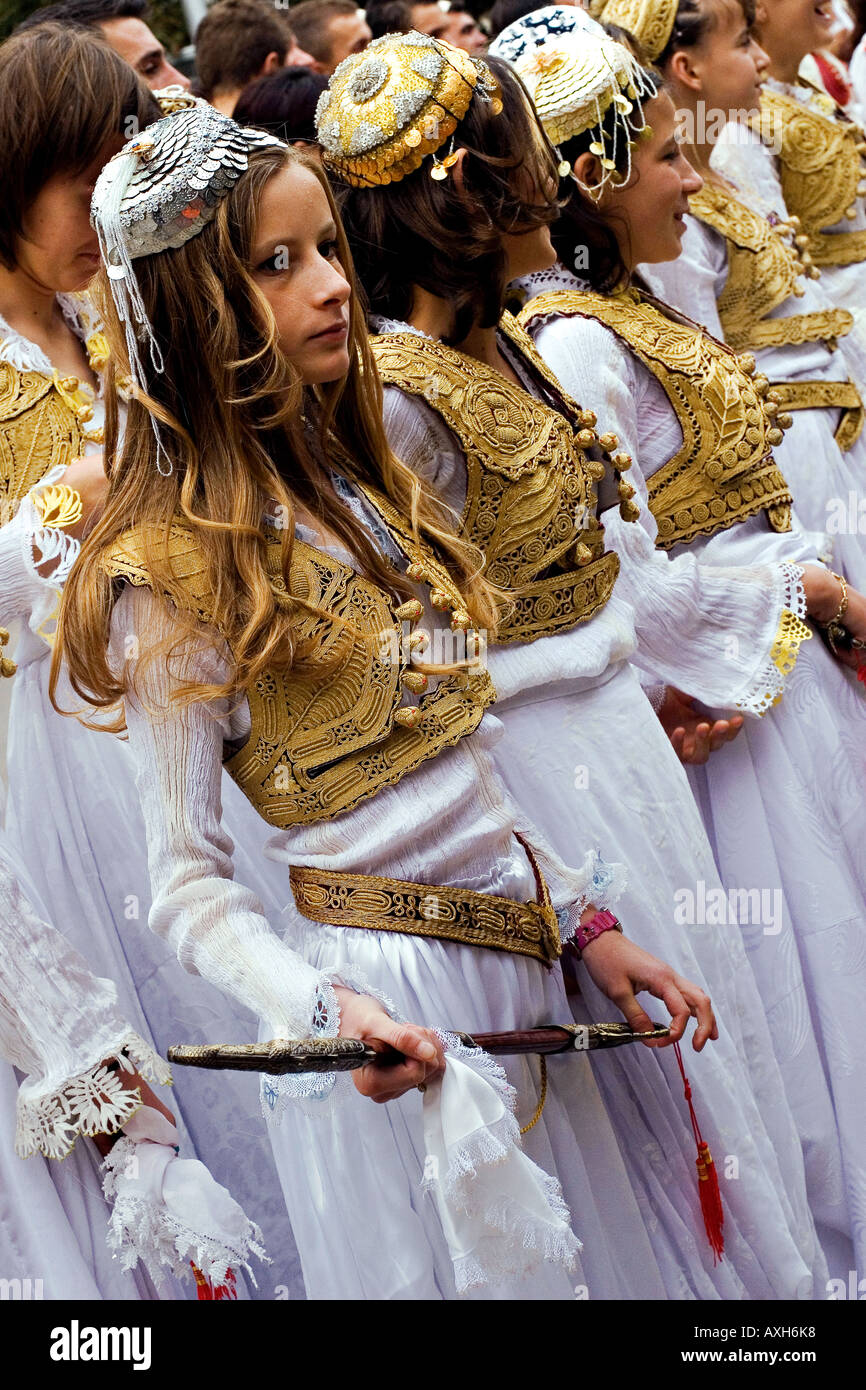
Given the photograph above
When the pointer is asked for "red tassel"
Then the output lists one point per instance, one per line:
(217, 1293)
(708, 1179)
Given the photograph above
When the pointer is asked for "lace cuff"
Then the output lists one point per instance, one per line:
(767, 686)
(168, 1211)
(316, 1087)
(96, 1101)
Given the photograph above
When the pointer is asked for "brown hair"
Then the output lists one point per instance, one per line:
(310, 22)
(693, 22)
(233, 41)
(229, 404)
(447, 237)
(63, 95)
(584, 238)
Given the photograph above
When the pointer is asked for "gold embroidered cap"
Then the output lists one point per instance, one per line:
(399, 100)
(651, 22)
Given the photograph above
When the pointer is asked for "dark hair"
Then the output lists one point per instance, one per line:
(233, 41)
(506, 12)
(446, 237)
(582, 227)
(87, 14)
(284, 103)
(389, 17)
(692, 24)
(63, 95)
(310, 22)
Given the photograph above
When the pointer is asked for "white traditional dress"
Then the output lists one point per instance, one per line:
(815, 152)
(826, 480)
(585, 756)
(783, 804)
(60, 1026)
(354, 1172)
(74, 820)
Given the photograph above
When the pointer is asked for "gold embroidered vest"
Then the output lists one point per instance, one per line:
(43, 419)
(763, 270)
(38, 430)
(530, 497)
(724, 472)
(821, 166)
(320, 743)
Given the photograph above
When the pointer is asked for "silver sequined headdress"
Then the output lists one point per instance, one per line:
(160, 190)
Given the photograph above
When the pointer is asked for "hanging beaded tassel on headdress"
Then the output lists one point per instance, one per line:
(580, 80)
(156, 194)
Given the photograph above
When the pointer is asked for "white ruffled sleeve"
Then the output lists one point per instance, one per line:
(25, 544)
(59, 1024)
(216, 927)
(726, 636)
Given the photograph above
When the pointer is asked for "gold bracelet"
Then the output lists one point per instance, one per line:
(836, 620)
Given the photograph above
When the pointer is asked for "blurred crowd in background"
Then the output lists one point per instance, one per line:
(266, 63)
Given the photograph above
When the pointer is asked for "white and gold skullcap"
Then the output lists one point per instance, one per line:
(575, 73)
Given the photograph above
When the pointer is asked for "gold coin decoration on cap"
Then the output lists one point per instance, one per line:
(399, 100)
(651, 22)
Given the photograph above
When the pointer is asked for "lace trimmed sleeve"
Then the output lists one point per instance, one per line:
(216, 927)
(59, 1025)
(419, 438)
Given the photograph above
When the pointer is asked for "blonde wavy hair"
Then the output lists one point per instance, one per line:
(229, 405)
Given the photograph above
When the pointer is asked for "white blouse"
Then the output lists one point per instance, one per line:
(742, 157)
(707, 614)
(449, 821)
(58, 1025)
(674, 621)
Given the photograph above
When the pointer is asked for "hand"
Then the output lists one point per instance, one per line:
(87, 477)
(692, 736)
(131, 1080)
(411, 1056)
(621, 969)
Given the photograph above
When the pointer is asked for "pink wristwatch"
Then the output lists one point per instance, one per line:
(587, 931)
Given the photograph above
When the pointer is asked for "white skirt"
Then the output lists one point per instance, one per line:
(786, 807)
(352, 1171)
(74, 818)
(592, 767)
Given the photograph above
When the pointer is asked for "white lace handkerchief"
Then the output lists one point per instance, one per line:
(501, 1214)
(169, 1211)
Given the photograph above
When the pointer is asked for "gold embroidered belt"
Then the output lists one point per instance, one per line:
(824, 324)
(824, 395)
(837, 248)
(422, 909)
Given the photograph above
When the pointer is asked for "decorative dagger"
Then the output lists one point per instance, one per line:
(286, 1056)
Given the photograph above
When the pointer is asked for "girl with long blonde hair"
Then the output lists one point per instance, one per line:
(258, 577)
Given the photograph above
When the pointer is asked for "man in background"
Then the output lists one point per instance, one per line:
(330, 30)
(239, 41)
(122, 23)
(450, 22)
